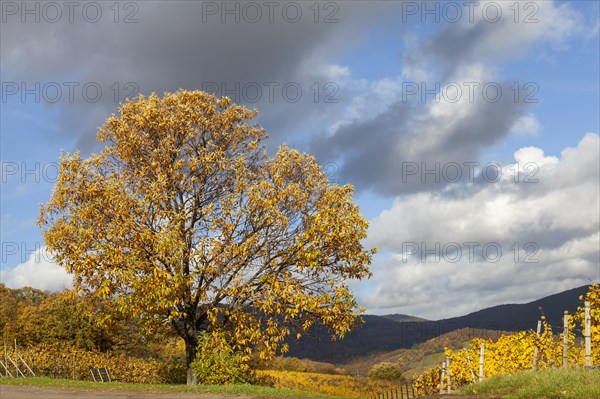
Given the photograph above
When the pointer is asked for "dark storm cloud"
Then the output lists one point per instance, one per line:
(451, 47)
(175, 45)
(377, 152)
(180, 45)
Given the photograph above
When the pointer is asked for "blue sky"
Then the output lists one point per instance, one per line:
(366, 61)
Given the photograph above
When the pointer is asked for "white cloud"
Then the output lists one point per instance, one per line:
(527, 124)
(39, 271)
(593, 32)
(548, 232)
(499, 31)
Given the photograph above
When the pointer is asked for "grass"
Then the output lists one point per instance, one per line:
(231, 390)
(570, 383)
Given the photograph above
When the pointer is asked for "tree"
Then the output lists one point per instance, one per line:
(183, 218)
(13, 302)
(386, 371)
(62, 318)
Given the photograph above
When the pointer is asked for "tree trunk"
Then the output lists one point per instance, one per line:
(190, 356)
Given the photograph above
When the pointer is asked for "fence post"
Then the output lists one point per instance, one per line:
(16, 359)
(481, 360)
(566, 339)
(536, 350)
(442, 376)
(588, 335)
(448, 373)
(471, 368)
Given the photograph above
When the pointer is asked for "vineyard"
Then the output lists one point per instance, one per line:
(470, 354)
(511, 353)
(69, 362)
(338, 385)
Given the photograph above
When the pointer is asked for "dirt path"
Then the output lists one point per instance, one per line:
(453, 397)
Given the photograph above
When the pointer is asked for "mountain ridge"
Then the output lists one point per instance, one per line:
(380, 334)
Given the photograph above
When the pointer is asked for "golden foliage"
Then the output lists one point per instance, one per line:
(183, 218)
(69, 361)
(511, 353)
(339, 385)
(217, 363)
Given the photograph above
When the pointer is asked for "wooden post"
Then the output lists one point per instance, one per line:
(481, 360)
(471, 369)
(17, 367)
(448, 373)
(588, 335)
(443, 375)
(536, 350)
(566, 339)
(6, 358)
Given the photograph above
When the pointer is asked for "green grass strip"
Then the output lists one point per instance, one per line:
(230, 390)
(567, 383)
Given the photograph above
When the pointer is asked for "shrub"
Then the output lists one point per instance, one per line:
(217, 363)
(386, 371)
(175, 370)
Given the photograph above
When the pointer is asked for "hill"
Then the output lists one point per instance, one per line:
(380, 334)
(401, 318)
(415, 360)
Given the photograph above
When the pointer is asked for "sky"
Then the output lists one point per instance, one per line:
(470, 130)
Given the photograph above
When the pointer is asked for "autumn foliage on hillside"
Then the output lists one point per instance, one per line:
(511, 353)
(63, 335)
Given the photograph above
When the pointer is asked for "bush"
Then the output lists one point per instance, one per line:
(175, 370)
(217, 363)
(386, 371)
